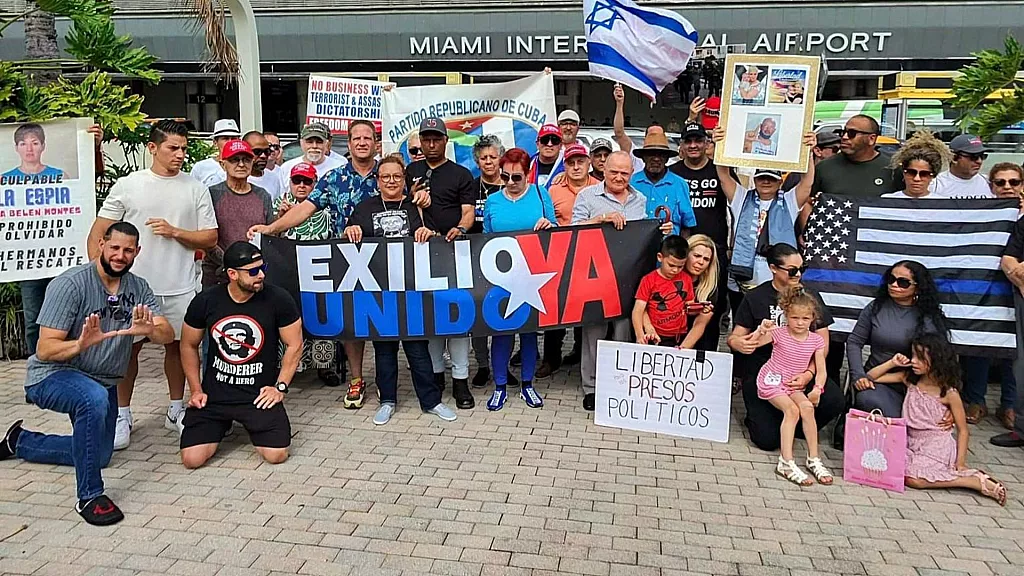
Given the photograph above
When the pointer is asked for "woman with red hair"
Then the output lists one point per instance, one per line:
(518, 206)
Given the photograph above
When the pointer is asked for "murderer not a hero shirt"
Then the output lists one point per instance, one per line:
(243, 340)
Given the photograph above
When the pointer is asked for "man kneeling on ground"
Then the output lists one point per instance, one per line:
(244, 320)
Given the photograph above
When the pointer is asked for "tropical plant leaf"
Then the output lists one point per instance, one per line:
(96, 96)
(98, 45)
(991, 72)
(33, 103)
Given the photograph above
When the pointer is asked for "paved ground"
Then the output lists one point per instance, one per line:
(520, 492)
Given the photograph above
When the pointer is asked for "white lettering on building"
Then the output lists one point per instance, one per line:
(438, 45)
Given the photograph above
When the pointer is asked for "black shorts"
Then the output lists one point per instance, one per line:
(266, 428)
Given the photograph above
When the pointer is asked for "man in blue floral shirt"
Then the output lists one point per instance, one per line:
(338, 191)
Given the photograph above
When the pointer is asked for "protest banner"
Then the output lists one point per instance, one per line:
(484, 284)
(684, 393)
(48, 203)
(338, 101)
(513, 111)
(767, 107)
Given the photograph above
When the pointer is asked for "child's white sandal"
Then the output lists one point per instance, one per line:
(821, 473)
(790, 471)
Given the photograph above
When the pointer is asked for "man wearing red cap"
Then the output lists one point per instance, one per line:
(548, 163)
(238, 204)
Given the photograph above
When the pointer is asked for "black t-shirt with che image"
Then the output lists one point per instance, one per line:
(381, 218)
(243, 340)
(451, 187)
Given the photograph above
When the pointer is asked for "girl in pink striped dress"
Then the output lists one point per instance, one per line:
(794, 348)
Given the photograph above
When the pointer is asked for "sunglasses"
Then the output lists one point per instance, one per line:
(1000, 182)
(973, 157)
(794, 271)
(914, 173)
(275, 147)
(900, 281)
(299, 180)
(254, 272)
(260, 151)
(415, 151)
(852, 133)
(550, 140)
(517, 178)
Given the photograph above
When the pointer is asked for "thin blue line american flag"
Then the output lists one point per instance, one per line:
(851, 241)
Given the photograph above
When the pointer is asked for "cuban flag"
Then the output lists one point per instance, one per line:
(463, 133)
(643, 48)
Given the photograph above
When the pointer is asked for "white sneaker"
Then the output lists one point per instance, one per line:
(175, 422)
(122, 432)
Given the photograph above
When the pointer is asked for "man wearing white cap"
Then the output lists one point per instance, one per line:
(569, 124)
(209, 171)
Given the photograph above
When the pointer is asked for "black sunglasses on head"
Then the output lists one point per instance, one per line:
(900, 281)
(254, 272)
(302, 180)
(551, 140)
(794, 271)
(517, 178)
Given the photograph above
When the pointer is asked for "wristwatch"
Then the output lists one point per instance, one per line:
(281, 387)
(462, 229)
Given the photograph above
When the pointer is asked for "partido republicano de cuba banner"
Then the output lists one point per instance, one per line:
(482, 284)
(338, 101)
(47, 197)
(513, 111)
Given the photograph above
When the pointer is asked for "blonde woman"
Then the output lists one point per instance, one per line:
(702, 266)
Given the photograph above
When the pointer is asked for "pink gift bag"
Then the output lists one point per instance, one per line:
(875, 450)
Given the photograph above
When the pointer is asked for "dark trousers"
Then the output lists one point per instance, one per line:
(976, 376)
(885, 397)
(763, 420)
(554, 340)
(385, 355)
(32, 294)
(1018, 364)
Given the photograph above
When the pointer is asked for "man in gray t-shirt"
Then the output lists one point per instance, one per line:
(89, 317)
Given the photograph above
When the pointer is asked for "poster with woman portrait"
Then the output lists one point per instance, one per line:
(770, 105)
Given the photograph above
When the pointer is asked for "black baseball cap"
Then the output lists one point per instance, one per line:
(694, 129)
(241, 254)
(433, 124)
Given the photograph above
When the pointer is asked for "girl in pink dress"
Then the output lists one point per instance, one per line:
(934, 458)
(794, 348)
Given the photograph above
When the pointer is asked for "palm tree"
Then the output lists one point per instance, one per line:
(41, 44)
(207, 18)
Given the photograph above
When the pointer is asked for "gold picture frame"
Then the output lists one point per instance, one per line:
(767, 107)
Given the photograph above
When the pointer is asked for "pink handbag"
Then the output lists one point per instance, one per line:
(875, 450)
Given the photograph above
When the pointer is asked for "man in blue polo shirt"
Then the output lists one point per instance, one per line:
(662, 187)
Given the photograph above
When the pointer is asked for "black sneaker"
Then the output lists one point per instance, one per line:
(482, 376)
(512, 381)
(588, 402)
(573, 358)
(439, 381)
(100, 511)
(516, 359)
(10, 442)
(463, 397)
(1008, 440)
(329, 378)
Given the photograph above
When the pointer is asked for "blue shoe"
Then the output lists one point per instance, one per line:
(443, 412)
(530, 396)
(383, 415)
(498, 398)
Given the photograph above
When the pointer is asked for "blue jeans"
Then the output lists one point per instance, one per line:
(32, 294)
(93, 411)
(501, 353)
(976, 370)
(385, 357)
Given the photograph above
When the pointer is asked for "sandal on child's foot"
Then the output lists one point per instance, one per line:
(821, 473)
(998, 490)
(790, 471)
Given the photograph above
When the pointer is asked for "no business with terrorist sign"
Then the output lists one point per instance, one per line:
(384, 289)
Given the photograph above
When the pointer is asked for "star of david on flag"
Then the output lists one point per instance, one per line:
(643, 48)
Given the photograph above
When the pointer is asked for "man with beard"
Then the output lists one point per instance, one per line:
(569, 124)
(761, 141)
(315, 141)
(261, 174)
(89, 317)
(711, 208)
(245, 321)
(175, 215)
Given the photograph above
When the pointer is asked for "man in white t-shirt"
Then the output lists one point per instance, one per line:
(315, 140)
(261, 176)
(963, 179)
(175, 218)
(209, 171)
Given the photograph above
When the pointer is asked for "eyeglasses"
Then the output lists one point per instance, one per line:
(254, 272)
(794, 271)
(1000, 182)
(275, 147)
(260, 151)
(900, 281)
(300, 180)
(390, 177)
(239, 159)
(550, 141)
(517, 178)
(973, 157)
(415, 150)
(914, 173)
(852, 133)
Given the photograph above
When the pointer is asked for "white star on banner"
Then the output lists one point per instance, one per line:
(466, 125)
(841, 259)
(846, 218)
(524, 287)
(847, 204)
(831, 202)
(844, 231)
(843, 246)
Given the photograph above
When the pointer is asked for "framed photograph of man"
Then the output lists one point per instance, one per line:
(769, 108)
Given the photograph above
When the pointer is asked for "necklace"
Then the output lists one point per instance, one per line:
(385, 202)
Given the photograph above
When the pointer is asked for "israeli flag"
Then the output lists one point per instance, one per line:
(643, 48)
